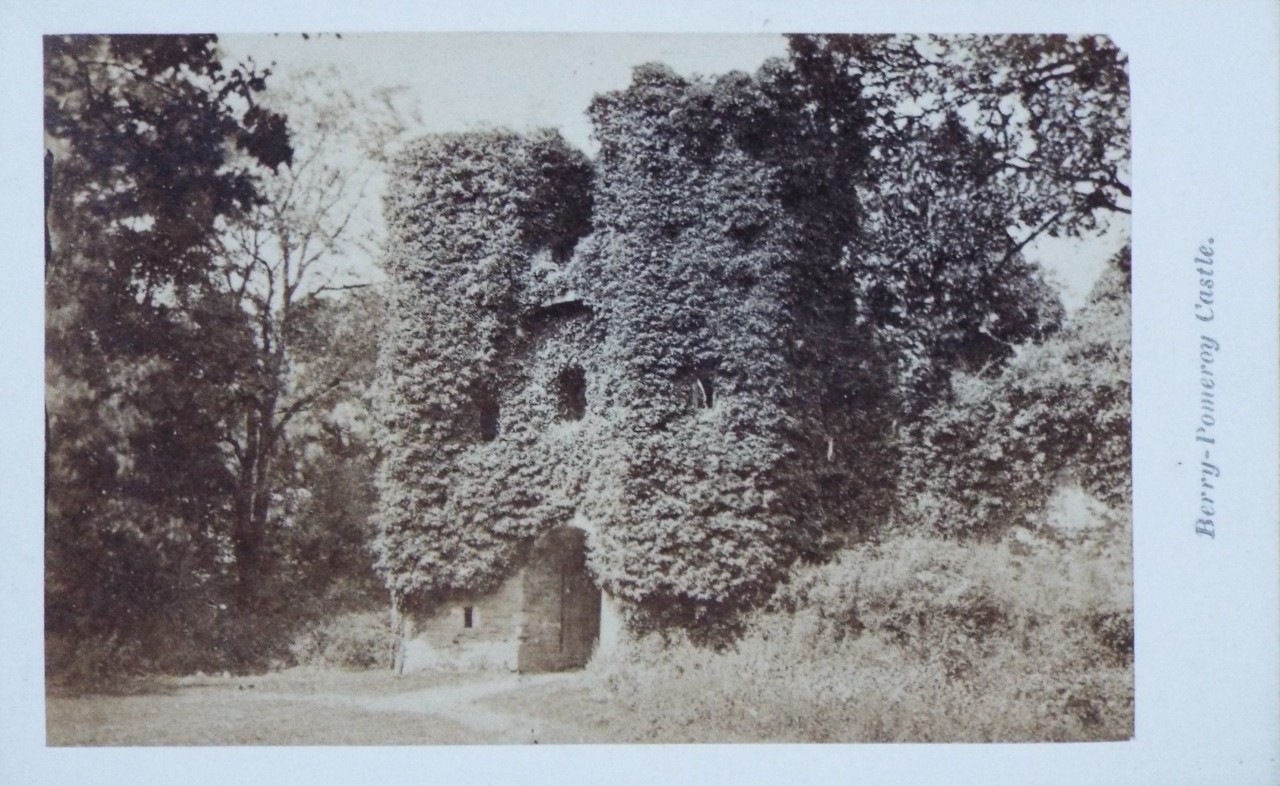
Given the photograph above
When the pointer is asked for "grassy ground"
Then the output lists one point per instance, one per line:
(298, 707)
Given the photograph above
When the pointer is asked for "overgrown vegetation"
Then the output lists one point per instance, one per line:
(208, 465)
(355, 640)
(808, 307)
(457, 497)
(989, 455)
(915, 638)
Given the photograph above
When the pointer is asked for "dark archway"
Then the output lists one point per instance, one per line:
(561, 605)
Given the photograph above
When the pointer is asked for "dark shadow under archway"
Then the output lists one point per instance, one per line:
(561, 605)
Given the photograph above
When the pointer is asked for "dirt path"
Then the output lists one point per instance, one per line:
(494, 708)
(465, 705)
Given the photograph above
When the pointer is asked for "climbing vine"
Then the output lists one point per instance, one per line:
(465, 215)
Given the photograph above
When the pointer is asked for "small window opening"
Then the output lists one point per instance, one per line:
(571, 390)
(704, 393)
(831, 448)
(746, 234)
(468, 617)
(487, 412)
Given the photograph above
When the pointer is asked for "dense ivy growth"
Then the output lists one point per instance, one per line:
(725, 344)
(711, 337)
(465, 215)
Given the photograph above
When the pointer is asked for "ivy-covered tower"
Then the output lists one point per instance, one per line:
(656, 347)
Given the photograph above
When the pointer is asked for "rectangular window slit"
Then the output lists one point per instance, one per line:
(704, 393)
(468, 619)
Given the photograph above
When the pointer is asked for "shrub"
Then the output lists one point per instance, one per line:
(356, 640)
(989, 456)
(912, 639)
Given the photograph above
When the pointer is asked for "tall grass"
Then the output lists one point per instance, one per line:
(912, 639)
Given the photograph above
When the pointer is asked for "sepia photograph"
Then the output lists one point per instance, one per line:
(481, 388)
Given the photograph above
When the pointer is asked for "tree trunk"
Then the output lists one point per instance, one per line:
(253, 503)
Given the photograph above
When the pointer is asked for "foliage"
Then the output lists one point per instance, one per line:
(209, 470)
(988, 457)
(936, 290)
(1051, 111)
(315, 559)
(978, 145)
(711, 265)
(143, 134)
(688, 195)
(914, 639)
(795, 300)
(463, 214)
(288, 263)
(357, 640)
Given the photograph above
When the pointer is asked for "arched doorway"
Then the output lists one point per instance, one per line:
(561, 605)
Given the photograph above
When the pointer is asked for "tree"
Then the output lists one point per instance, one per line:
(989, 456)
(1053, 111)
(978, 145)
(315, 554)
(937, 291)
(141, 338)
(285, 263)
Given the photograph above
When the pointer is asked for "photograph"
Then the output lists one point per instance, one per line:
(476, 388)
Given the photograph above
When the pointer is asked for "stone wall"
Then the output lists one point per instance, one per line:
(443, 639)
(545, 617)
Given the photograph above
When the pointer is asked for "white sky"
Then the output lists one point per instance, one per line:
(517, 80)
(522, 81)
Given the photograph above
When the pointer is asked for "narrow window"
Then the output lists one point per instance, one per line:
(704, 392)
(696, 385)
(746, 234)
(487, 415)
(468, 619)
(571, 392)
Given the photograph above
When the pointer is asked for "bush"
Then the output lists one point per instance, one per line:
(913, 639)
(358, 640)
(989, 456)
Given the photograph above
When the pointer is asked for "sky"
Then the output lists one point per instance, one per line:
(523, 81)
(517, 80)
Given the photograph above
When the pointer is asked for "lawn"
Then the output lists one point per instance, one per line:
(296, 707)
